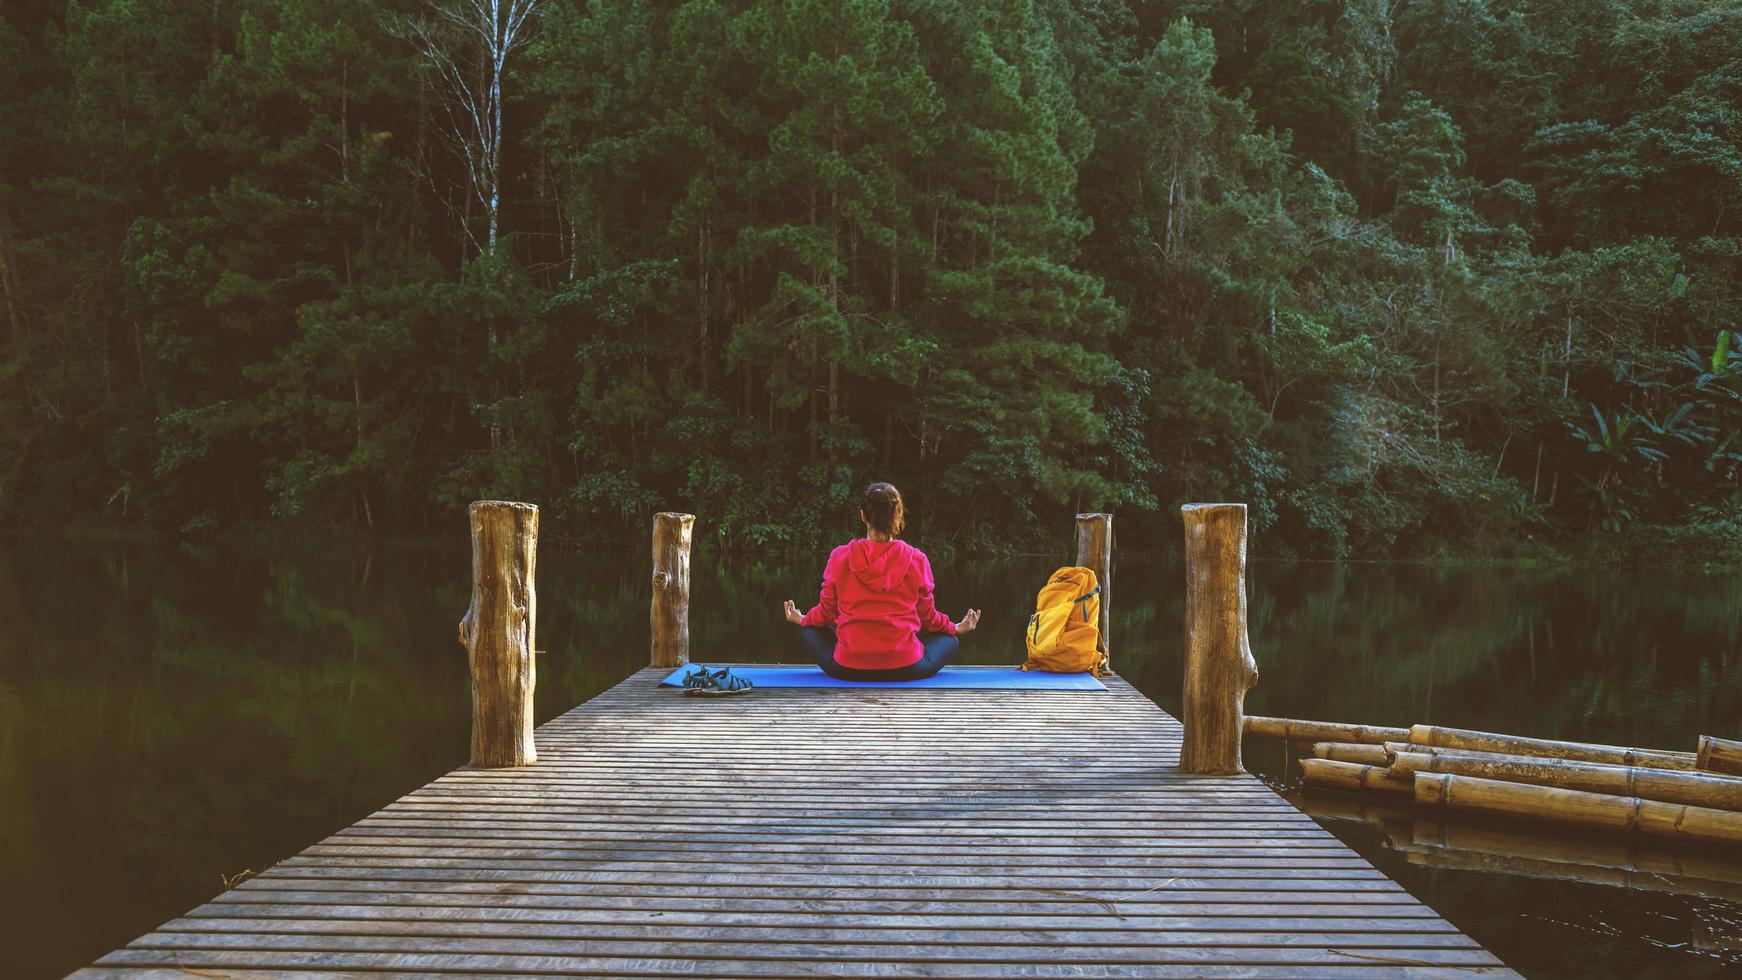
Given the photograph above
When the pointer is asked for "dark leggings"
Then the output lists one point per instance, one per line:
(819, 642)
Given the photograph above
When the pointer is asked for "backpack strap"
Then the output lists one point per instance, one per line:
(1085, 598)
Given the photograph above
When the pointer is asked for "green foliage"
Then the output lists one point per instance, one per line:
(1691, 451)
(1408, 278)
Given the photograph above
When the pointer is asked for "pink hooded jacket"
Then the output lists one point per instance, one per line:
(878, 596)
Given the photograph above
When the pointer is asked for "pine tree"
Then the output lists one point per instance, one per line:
(1007, 409)
(849, 109)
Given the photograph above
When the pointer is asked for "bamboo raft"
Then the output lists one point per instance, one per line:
(824, 832)
(1693, 797)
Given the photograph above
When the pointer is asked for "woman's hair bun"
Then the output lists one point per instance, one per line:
(883, 509)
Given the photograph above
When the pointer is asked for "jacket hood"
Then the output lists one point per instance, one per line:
(880, 564)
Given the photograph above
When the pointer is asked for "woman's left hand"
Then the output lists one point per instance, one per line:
(971, 620)
(793, 616)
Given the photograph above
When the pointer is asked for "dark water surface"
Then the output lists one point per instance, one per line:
(172, 714)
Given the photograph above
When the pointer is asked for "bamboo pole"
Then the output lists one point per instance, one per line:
(1625, 813)
(1095, 552)
(1663, 785)
(1219, 668)
(1719, 755)
(1323, 731)
(1393, 748)
(498, 631)
(670, 612)
(1332, 774)
(1461, 738)
(1367, 755)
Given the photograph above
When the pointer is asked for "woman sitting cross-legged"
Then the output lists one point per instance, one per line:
(875, 619)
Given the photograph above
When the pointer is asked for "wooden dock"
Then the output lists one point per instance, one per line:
(850, 833)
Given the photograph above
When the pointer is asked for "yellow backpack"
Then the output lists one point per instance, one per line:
(1065, 629)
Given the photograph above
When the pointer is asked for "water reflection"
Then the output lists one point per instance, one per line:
(171, 714)
(1570, 903)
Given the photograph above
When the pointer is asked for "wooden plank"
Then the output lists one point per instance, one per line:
(1029, 903)
(1014, 945)
(804, 846)
(1358, 879)
(958, 827)
(797, 834)
(1088, 916)
(880, 814)
(664, 891)
(1333, 955)
(480, 871)
(826, 833)
(1207, 971)
(869, 869)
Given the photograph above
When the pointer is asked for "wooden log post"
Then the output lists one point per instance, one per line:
(498, 631)
(1719, 755)
(1218, 658)
(670, 615)
(1095, 552)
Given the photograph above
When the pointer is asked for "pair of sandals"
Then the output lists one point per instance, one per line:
(713, 683)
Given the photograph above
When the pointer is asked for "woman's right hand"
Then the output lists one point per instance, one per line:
(793, 616)
(971, 620)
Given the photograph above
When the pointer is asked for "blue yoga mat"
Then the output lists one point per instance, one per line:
(949, 677)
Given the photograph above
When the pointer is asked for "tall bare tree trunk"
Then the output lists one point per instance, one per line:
(473, 94)
(1438, 327)
(357, 419)
(702, 292)
(345, 120)
(1173, 195)
(811, 427)
(992, 223)
(9, 287)
(834, 304)
(1567, 361)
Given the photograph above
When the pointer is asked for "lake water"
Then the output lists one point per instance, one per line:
(173, 714)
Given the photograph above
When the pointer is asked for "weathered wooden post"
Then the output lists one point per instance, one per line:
(1219, 665)
(670, 615)
(1095, 551)
(498, 631)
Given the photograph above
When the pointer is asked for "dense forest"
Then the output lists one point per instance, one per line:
(1410, 277)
